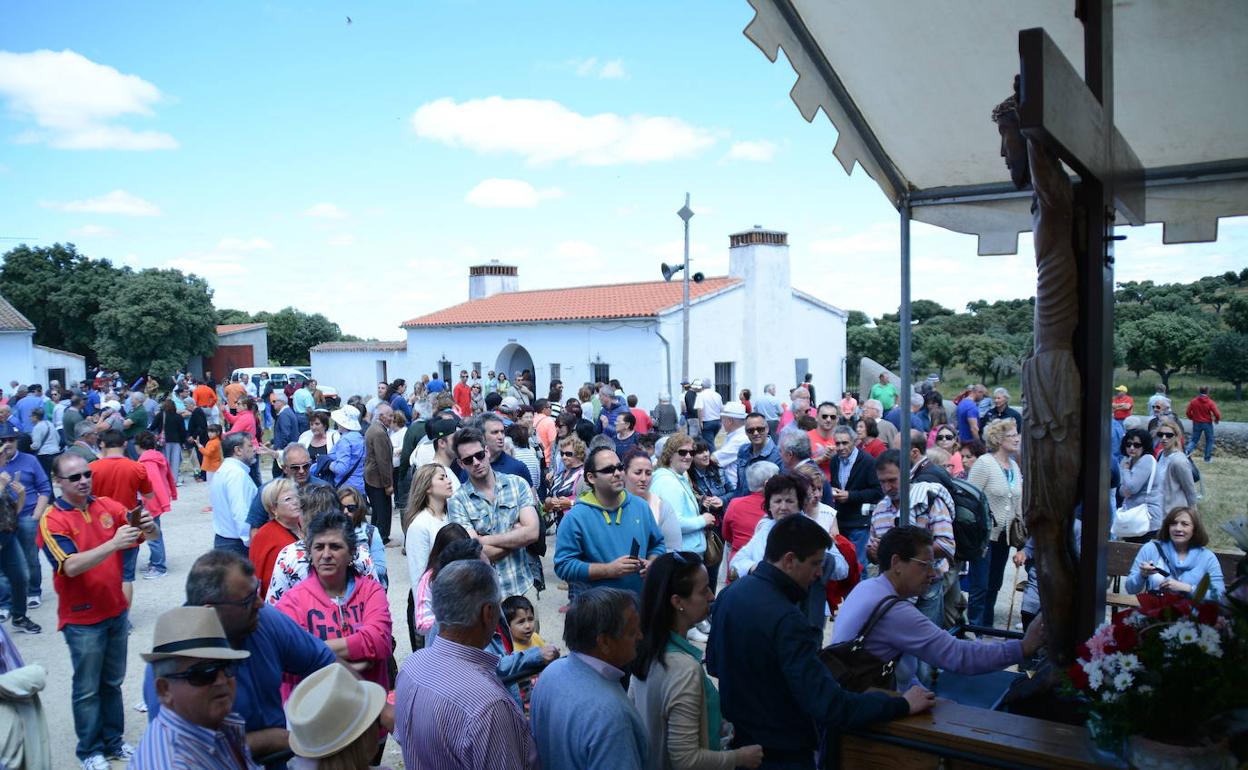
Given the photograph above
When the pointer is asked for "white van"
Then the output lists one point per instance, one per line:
(280, 375)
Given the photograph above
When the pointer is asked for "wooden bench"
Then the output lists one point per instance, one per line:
(1120, 555)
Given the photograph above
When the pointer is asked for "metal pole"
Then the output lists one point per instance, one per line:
(686, 214)
(903, 397)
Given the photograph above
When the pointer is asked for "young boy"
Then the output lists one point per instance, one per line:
(210, 454)
(523, 623)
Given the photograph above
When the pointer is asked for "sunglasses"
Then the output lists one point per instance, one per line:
(299, 467)
(350, 507)
(1166, 434)
(944, 437)
(755, 431)
(1134, 445)
(74, 478)
(474, 458)
(617, 468)
(567, 454)
(827, 417)
(685, 452)
(204, 674)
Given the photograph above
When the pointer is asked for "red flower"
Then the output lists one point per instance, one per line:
(1078, 677)
(1207, 613)
(1125, 638)
(1082, 652)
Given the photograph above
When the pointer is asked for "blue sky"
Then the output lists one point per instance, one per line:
(358, 169)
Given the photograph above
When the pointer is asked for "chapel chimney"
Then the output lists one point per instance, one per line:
(759, 257)
(493, 278)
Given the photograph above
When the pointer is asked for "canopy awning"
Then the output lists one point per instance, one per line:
(910, 88)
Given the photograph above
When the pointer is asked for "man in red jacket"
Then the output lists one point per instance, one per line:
(1203, 413)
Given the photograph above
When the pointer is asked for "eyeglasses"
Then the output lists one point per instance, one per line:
(474, 458)
(1134, 445)
(74, 478)
(944, 437)
(299, 467)
(827, 417)
(1165, 434)
(204, 674)
(685, 452)
(350, 507)
(245, 602)
(617, 468)
(928, 564)
(751, 431)
(1157, 407)
(567, 454)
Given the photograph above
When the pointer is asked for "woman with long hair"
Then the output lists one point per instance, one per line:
(1178, 486)
(1178, 559)
(677, 701)
(1140, 483)
(423, 617)
(170, 427)
(425, 515)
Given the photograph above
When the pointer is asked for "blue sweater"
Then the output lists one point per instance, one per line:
(1199, 562)
(585, 537)
(25, 468)
(772, 685)
(582, 721)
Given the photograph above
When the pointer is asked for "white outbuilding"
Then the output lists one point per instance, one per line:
(746, 329)
(27, 363)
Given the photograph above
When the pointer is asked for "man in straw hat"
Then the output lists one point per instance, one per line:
(195, 668)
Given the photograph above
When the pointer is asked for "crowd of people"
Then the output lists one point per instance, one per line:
(792, 505)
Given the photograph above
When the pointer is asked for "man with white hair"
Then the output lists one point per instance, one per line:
(746, 509)
(285, 426)
(612, 408)
(664, 416)
(795, 451)
(733, 423)
(917, 420)
(873, 409)
(1001, 410)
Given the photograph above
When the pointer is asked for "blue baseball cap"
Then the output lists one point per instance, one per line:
(8, 430)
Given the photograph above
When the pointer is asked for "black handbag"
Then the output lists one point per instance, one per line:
(852, 666)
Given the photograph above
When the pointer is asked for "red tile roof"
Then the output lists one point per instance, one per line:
(11, 320)
(382, 345)
(579, 303)
(231, 328)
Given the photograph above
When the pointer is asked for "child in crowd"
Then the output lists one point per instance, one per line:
(210, 454)
(522, 620)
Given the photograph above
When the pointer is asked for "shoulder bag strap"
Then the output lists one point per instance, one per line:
(877, 614)
(1152, 474)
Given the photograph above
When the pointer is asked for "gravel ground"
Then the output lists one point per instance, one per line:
(188, 533)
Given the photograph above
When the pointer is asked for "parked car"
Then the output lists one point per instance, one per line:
(280, 375)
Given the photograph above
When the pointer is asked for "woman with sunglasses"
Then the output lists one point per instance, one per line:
(563, 487)
(285, 526)
(1140, 484)
(672, 484)
(1178, 486)
(355, 507)
(678, 703)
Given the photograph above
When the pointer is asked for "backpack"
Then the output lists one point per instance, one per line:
(972, 521)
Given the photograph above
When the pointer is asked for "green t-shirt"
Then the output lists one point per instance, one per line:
(886, 394)
(139, 422)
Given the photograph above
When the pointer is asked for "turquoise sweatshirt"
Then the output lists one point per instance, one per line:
(592, 533)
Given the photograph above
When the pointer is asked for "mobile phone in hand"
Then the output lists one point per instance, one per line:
(132, 516)
(635, 550)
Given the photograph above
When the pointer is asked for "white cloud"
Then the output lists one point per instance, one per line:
(245, 245)
(130, 260)
(758, 151)
(92, 231)
(116, 202)
(576, 250)
(593, 67)
(325, 211)
(543, 131)
(880, 238)
(509, 194)
(73, 101)
(342, 239)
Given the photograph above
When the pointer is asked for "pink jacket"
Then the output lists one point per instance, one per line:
(164, 486)
(364, 621)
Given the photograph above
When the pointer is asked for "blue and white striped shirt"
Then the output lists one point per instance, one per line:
(172, 743)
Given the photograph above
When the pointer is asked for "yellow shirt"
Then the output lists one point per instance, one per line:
(534, 641)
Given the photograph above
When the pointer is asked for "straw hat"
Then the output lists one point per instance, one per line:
(347, 417)
(330, 709)
(191, 632)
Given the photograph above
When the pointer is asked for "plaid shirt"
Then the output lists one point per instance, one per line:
(477, 514)
(931, 508)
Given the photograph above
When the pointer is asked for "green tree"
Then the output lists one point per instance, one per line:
(857, 318)
(1228, 360)
(938, 347)
(1237, 314)
(228, 315)
(60, 291)
(292, 332)
(1231, 278)
(1165, 343)
(979, 353)
(155, 321)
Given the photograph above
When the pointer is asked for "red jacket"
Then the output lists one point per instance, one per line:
(1202, 409)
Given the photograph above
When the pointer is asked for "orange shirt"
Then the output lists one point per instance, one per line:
(212, 456)
(817, 443)
(204, 396)
(233, 393)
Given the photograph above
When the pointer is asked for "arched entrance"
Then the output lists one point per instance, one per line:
(514, 358)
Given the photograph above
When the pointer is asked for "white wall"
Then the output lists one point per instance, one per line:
(822, 341)
(354, 372)
(16, 358)
(44, 359)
